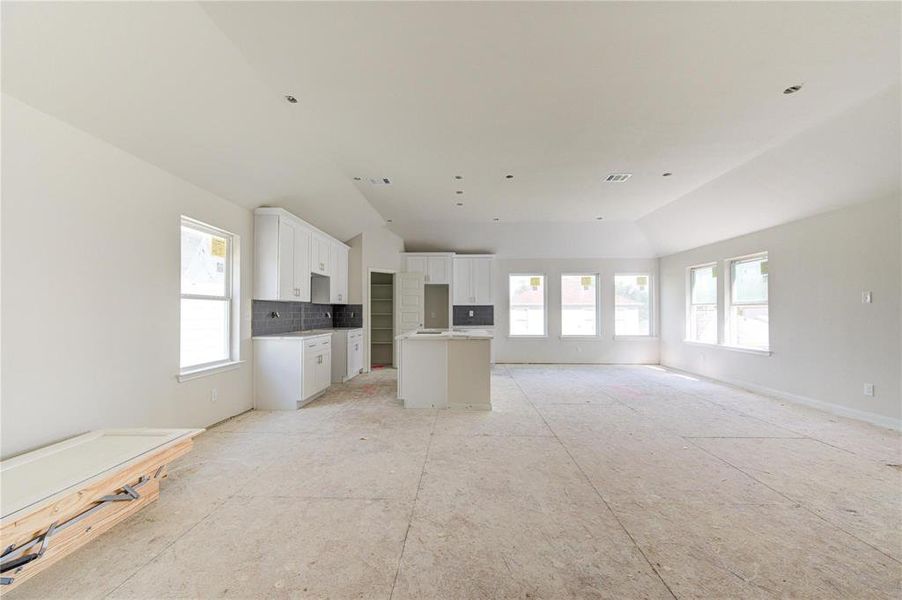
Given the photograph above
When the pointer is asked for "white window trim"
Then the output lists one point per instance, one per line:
(232, 293)
(689, 304)
(728, 306)
(544, 307)
(652, 321)
(211, 369)
(598, 332)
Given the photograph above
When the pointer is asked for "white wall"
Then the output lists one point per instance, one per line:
(553, 349)
(826, 344)
(90, 297)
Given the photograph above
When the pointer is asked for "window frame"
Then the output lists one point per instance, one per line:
(598, 327)
(652, 331)
(729, 339)
(518, 336)
(690, 304)
(231, 293)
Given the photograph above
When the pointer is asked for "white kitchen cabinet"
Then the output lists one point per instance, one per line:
(321, 255)
(347, 354)
(281, 259)
(473, 280)
(338, 286)
(415, 264)
(436, 267)
(317, 365)
(291, 370)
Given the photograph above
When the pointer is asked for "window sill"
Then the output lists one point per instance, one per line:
(703, 344)
(189, 374)
(577, 338)
(634, 338)
(746, 350)
(526, 337)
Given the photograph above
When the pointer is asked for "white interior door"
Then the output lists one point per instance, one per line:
(409, 302)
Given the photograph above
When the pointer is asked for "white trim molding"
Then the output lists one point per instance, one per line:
(835, 409)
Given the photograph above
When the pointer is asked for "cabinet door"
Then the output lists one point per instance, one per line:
(416, 264)
(342, 275)
(309, 376)
(324, 369)
(462, 280)
(287, 289)
(482, 281)
(338, 285)
(438, 269)
(321, 255)
(301, 268)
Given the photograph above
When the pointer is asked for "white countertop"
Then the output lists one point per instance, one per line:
(300, 335)
(447, 334)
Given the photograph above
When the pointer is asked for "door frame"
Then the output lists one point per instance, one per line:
(367, 320)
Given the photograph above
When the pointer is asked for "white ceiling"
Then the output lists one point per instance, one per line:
(557, 94)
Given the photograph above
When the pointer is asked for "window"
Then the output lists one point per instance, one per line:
(579, 296)
(206, 310)
(632, 304)
(527, 305)
(747, 316)
(702, 319)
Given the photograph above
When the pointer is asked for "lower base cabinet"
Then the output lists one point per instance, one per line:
(291, 371)
(347, 354)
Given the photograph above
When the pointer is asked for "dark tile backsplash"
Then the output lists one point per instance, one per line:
(300, 316)
(482, 315)
(347, 315)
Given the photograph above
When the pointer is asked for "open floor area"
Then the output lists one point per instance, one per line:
(582, 482)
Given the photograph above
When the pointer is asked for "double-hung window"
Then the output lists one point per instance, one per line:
(747, 314)
(632, 305)
(527, 305)
(206, 296)
(702, 318)
(579, 305)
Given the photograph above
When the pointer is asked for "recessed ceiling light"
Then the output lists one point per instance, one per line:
(668, 174)
(458, 177)
(508, 176)
(459, 192)
(388, 220)
(460, 203)
(599, 218)
(496, 219)
(357, 179)
(617, 177)
(792, 89)
(291, 99)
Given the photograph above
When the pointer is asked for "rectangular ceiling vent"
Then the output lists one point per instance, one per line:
(617, 177)
(380, 181)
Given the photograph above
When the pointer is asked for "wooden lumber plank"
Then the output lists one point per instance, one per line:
(22, 527)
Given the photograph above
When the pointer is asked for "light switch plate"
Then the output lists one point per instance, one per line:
(865, 297)
(869, 389)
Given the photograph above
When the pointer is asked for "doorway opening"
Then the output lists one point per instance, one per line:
(382, 322)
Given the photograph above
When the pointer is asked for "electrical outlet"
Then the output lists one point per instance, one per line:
(869, 389)
(866, 297)
(214, 395)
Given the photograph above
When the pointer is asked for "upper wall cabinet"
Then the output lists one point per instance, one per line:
(473, 280)
(437, 267)
(338, 288)
(281, 259)
(321, 253)
(287, 251)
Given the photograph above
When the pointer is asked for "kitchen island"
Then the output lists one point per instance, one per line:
(445, 369)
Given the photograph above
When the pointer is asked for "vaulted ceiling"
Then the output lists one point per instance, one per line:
(442, 98)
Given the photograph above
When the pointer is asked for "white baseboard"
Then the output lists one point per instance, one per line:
(836, 409)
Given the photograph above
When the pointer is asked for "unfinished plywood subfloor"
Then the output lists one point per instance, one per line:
(584, 482)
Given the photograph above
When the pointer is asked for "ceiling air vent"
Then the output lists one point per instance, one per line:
(380, 181)
(617, 177)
